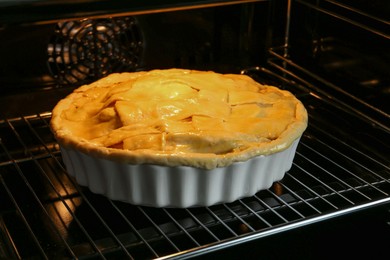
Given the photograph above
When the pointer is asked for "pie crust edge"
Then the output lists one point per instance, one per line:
(199, 160)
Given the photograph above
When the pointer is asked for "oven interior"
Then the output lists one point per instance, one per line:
(334, 55)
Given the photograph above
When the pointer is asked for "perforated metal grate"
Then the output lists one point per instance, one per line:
(87, 49)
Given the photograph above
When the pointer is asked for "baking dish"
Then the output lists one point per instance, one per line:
(180, 186)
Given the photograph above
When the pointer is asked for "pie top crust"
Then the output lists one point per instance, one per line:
(178, 117)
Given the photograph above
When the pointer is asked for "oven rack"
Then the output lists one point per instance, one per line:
(341, 166)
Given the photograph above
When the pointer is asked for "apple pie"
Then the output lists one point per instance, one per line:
(184, 123)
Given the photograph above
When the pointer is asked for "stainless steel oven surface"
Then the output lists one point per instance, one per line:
(334, 55)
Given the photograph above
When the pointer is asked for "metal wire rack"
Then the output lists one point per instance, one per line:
(45, 214)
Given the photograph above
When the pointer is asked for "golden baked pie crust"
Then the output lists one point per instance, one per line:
(210, 120)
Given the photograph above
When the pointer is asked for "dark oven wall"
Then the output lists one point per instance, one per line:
(37, 59)
(346, 43)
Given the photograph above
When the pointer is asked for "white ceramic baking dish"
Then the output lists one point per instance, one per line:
(182, 186)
